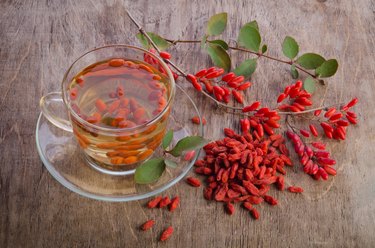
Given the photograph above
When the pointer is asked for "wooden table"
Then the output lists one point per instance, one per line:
(38, 41)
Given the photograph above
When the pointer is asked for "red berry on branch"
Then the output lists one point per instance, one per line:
(317, 112)
(238, 96)
(252, 107)
(353, 102)
(244, 86)
(228, 77)
(330, 112)
(281, 97)
(165, 55)
(304, 133)
(313, 130)
(201, 73)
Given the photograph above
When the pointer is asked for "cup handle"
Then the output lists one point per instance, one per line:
(54, 109)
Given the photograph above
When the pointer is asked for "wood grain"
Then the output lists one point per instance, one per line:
(39, 40)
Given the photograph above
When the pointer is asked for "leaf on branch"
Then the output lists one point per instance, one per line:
(167, 139)
(187, 144)
(327, 69)
(309, 85)
(161, 43)
(150, 171)
(253, 24)
(221, 43)
(217, 24)
(310, 60)
(290, 47)
(170, 163)
(294, 72)
(219, 56)
(249, 38)
(246, 68)
(264, 48)
(143, 40)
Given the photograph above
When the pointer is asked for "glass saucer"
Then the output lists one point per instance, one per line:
(65, 161)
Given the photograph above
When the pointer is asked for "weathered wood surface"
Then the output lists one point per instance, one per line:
(38, 41)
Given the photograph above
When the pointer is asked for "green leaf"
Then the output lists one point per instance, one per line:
(217, 24)
(221, 43)
(264, 48)
(170, 163)
(310, 60)
(161, 43)
(309, 85)
(219, 56)
(290, 47)
(294, 72)
(327, 69)
(246, 68)
(143, 41)
(252, 24)
(249, 37)
(167, 139)
(150, 171)
(188, 143)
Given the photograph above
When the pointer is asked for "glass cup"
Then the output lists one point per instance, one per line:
(115, 150)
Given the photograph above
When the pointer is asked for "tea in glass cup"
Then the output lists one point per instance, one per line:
(118, 107)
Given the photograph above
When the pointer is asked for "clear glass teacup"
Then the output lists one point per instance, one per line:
(118, 99)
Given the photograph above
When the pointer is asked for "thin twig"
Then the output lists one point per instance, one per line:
(174, 42)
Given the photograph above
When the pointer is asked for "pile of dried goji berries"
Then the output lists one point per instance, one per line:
(242, 168)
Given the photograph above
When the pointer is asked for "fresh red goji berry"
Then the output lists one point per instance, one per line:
(165, 55)
(330, 112)
(304, 133)
(243, 86)
(238, 96)
(317, 112)
(281, 97)
(201, 73)
(228, 77)
(313, 130)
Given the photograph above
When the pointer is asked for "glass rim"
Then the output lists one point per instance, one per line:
(126, 129)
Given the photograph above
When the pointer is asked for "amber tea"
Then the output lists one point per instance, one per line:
(125, 96)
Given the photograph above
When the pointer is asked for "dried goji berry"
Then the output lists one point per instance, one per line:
(229, 208)
(166, 233)
(147, 225)
(295, 189)
(154, 202)
(193, 181)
